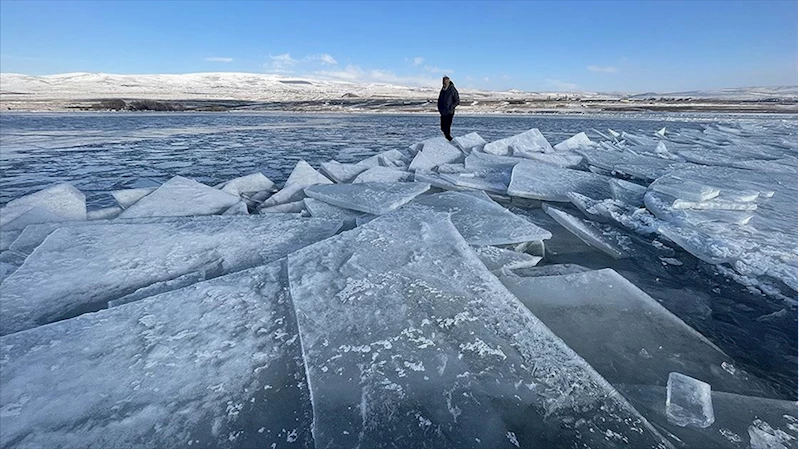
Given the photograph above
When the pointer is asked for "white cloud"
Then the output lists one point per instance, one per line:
(417, 61)
(602, 69)
(562, 85)
(325, 58)
(218, 59)
(281, 63)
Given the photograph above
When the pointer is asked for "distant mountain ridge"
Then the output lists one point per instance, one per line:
(267, 87)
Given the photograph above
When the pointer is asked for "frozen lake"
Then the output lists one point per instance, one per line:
(101, 152)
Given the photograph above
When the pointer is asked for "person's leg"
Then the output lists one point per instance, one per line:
(446, 125)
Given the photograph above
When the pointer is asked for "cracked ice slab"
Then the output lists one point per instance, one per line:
(540, 181)
(217, 364)
(342, 173)
(61, 202)
(435, 152)
(181, 197)
(531, 141)
(469, 142)
(484, 222)
(630, 163)
(427, 346)
(255, 182)
(499, 259)
(383, 174)
(376, 198)
(79, 269)
(585, 309)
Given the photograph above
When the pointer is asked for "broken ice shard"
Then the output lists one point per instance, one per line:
(688, 401)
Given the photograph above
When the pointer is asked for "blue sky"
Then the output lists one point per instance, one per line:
(630, 46)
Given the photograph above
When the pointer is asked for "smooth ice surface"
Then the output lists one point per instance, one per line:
(483, 222)
(579, 140)
(301, 177)
(181, 197)
(342, 173)
(383, 174)
(375, 198)
(563, 159)
(129, 197)
(688, 401)
(255, 182)
(586, 309)
(610, 242)
(469, 142)
(479, 159)
(500, 260)
(427, 349)
(628, 192)
(216, 364)
(530, 141)
(540, 181)
(61, 202)
(80, 269)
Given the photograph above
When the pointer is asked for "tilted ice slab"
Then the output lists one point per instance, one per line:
(765, 247)
(383, 174)
(108, 213)
(469, 142)
(342, 173)
(301, 177)
(255, 182)
(80, 269)
(427, 349)
(734, 417)
(216, 364)
(629, 163)
(129, 197)
(434, 153)
(489, 180)
(320, 209)
(483, 222)
(181, 197)
(574, 142)
(684, 189)
(587, 310)
(636, 219)
(609, 241)
(499, 259)
(531, 141)
(61, 202)
(435, 180)
(562, 159)
(627, 192)
(479, 159)
(375, 198)
(689, 213)
(390, 158)
(688, 401)
(540, 181)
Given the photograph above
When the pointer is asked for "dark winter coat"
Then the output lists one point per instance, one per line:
(448, 99)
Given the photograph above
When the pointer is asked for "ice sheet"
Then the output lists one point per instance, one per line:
(375, 198)
(320, 209)
(469, 142)
(489, 180)
(301, 177)
(383, 174)
(483, 222)
(628, 192)
(585, 309)
(342, 173)
(181, 197)
(563, 159)
(255, 182)
(605, 239)
(499, 260)
(540, 181)
(105, 213)
(216, 364)
(579, 140)
(61, 202)
(530, 141)
(479, 159)
(428, 347)
(128, 197)
(630, 163)
(79, 269)
(688, 401)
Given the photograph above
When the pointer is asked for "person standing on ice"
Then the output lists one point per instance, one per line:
(448, 99)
